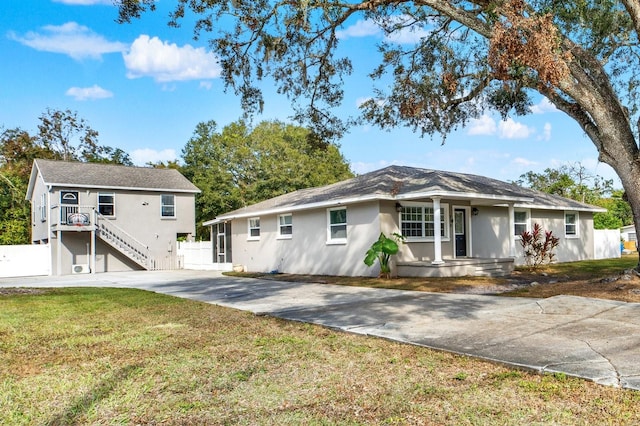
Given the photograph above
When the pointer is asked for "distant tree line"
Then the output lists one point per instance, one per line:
(575, 182)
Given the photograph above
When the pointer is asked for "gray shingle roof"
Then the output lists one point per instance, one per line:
(97, 175)
(406, 183)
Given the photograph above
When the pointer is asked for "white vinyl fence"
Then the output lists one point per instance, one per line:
(25, 260)
(606, 243)
(198, 255)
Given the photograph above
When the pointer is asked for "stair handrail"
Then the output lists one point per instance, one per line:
(133, 242)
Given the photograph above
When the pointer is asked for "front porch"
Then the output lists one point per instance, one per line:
(475, 267)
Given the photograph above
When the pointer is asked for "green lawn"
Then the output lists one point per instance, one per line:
(113, 356)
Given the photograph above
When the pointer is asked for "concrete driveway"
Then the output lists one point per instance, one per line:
(594, 339)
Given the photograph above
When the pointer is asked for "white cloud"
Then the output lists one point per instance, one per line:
(546, 132)
(543, 106)
(141, 157)
(484, 126)
(510, 129)
(368, 27)
(85, 2)
(71, 39)
(406, 35)
(524, 162)
(206, 85)
(362, 28)
(164, 62)
(84, 93)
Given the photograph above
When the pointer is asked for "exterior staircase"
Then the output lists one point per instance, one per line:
(126, 244)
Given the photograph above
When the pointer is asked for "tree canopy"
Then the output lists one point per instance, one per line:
(240, 165)
(62, 135)
(583, 56)
(574, 182)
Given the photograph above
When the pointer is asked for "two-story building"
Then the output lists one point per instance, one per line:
(104, 218)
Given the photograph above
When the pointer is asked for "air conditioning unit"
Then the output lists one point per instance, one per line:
(80, 268)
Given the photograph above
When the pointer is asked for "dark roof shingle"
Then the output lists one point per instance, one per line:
(403, 183)
(98, 175)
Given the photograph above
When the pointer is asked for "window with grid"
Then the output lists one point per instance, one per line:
(418, 222)
(412, 222)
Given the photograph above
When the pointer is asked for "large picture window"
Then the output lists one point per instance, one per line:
(417, 221)
(337, 229)
(168, 205)
(106, 204)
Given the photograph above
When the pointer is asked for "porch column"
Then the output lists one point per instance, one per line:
(437, 230)
(92, 261)
(511, 235)
(59, 253)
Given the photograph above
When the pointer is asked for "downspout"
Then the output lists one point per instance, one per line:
(510, 234)
(92, 261)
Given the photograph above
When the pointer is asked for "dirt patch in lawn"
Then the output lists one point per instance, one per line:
(20, 291)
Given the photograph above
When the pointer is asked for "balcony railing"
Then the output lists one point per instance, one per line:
(73, 215)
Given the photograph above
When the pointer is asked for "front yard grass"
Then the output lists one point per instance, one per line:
(119, 356)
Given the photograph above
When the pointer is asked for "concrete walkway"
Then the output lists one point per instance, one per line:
(594, 339)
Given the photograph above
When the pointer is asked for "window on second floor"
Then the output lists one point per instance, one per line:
(106, 204)
(43, 207)
(168, 205)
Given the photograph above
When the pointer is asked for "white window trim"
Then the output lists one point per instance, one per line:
(249, 228)
(444, 224)
(43, 207)
(113, 195)
(336, 240)
(527, 221)
(174, 207)
(282, 236)
(577, 224)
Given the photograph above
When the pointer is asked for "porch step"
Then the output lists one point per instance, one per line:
(494, 270)
(457, 268)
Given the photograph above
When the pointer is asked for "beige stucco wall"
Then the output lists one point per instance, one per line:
(39, 228)
(138, 213)
(491, 232)
(73, 248)
(308, 252)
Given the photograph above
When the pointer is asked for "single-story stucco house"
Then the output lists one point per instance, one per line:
(455, 224)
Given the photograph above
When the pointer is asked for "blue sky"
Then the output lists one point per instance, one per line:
(145, 86)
